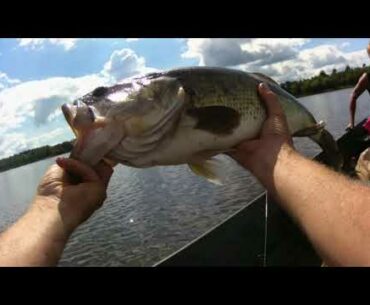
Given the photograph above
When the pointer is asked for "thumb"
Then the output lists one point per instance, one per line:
(105, 171)
(270, 100)
(74, 167)
(243, 149)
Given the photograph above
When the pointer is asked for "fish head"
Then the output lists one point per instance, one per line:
(103, 118)
(141, 104)
(79, 116)
(155, 104)
(95, 134)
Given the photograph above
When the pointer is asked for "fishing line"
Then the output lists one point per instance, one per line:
(265, 245)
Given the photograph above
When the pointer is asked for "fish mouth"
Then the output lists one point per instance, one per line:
(69, 112)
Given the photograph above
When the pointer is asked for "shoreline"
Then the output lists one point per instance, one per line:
(34, 155)
(325, 91)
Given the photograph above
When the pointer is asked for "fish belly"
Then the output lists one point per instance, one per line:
(187, 143)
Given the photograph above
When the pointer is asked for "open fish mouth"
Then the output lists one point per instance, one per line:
(66, 109)
(69, 112)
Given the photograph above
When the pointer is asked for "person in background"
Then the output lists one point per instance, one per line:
(332, 210)
(358, 139)
(362, 85)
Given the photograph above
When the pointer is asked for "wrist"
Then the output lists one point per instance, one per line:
(265, 170)
(47, 209)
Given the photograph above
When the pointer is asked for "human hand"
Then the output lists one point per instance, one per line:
(349, 127)
(259, 155)
(74, 201)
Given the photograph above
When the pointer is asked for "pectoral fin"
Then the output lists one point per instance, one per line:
(212, 170)
(309, 131)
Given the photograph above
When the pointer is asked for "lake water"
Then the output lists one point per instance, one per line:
(150, 213)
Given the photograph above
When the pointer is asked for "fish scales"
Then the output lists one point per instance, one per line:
(186, 115)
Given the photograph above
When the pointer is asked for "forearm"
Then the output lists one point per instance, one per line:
(37, 239)
(333, 210)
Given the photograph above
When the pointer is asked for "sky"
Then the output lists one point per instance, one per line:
(38, 75)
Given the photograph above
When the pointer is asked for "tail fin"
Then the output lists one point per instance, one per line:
(332, 154)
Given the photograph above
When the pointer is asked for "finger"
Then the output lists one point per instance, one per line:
(111, 163)
(244, 149)
(248, 146)
(53, 172)
(270, 100)
(104, 171)
(75, 167)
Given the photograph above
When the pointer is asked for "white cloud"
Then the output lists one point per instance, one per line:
(36, 104)
(11, 122)
(50, 138)
(12, 143)
(43, 108)
(39, 43)
(281, 59)
(322, 55)
(357, 58)
(216, 52)
(344, 45)
(15, 142)
(6, 82)
(237, 51)
(311, 61)
(28, 110)
(132, 39)
(123, 64)
(39, 99)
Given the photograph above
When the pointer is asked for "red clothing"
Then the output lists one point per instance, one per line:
(367, 125)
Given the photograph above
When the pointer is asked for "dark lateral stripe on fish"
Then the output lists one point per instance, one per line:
(216, 119)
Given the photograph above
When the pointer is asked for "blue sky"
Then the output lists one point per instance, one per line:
(38, 75)
(89, 56)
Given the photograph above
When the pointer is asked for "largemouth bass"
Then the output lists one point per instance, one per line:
(182, 116)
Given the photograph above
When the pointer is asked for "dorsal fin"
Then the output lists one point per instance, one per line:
(264, 78)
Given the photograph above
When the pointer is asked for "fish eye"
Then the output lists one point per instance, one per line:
(100, 91)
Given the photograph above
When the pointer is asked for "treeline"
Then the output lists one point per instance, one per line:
(326, 82)
(34, 155)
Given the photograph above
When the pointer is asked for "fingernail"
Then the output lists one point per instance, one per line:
(60, 161)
